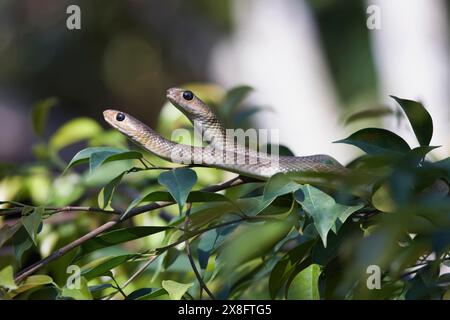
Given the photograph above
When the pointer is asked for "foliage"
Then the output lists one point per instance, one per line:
(296, 236)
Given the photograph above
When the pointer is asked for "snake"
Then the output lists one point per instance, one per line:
(220, 153)
(223, 152)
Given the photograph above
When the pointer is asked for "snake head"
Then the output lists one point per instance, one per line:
(123, 122)
(188, 103)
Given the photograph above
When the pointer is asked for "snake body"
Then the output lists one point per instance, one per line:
(220, 153)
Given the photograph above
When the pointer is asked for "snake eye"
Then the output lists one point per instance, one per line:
(188, 95)
(120, 116)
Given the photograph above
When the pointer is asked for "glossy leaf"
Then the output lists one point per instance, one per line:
(105, 266)
(419, 118)
(377, 141)
(146, 294)
(98, 155)
(323, 209)
(105, 195)
(179, 183)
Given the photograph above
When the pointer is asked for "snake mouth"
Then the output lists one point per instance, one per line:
(173, 94)
(109, 115)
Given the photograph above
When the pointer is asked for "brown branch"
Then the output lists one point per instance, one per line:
(108, 225)
(191, 259)
(62, 209)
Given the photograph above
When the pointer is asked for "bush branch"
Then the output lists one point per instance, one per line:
(23, 274)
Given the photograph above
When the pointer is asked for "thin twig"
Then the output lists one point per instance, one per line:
(139, 271)
(118, 287)
(191, 259)
(110, 224)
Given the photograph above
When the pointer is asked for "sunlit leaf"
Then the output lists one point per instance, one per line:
(81, 293)
(33, 282)
(305, 284)
(7, 278)
(176, 290)
(73, 131)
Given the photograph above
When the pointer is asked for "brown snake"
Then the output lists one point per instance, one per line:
(220, 153)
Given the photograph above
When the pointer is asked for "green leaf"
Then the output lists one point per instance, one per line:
(98, 158)
(279, 184)
(305, 284)
(7, 278)
(105, 195)
(323, 209)
(146, 294)
(176, 290)
(118, 236)
(32, 222)
(21, 243)
(179, 183)
(377, 141)
(194, 196)
(106, 265)
(33, 282)
(84, 155)
(99, 155)
(367, 114)
(211, 240)
(242, 116)
(285, 266)
(419, 118)
(39, 115)
(234, 97)
(252, 241)
(73, 131)
(81, 293)
(7, 231)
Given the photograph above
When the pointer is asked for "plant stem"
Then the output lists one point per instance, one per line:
(108, 225)
(191, 259)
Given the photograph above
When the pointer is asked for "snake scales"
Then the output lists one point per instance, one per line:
(221, 152)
